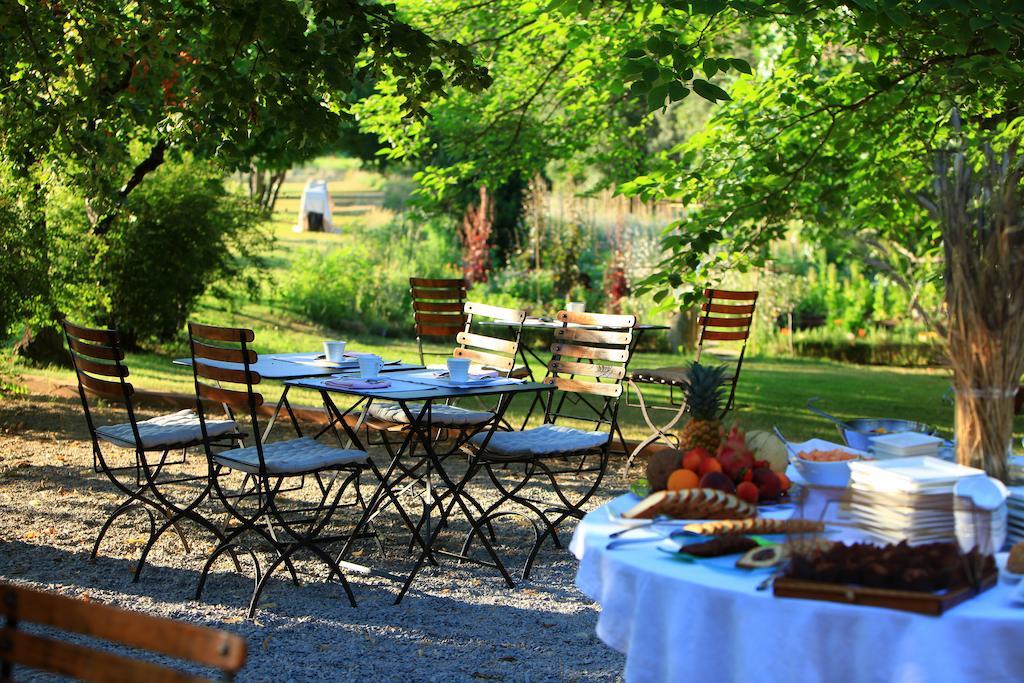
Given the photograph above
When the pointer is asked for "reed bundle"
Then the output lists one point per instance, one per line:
(979, 210)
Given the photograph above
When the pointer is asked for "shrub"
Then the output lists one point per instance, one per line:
(181, 232)
(22, 264)
(364, 286)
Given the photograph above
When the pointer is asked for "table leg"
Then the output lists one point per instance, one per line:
(383, 488)
(457, 490)
(277, 409)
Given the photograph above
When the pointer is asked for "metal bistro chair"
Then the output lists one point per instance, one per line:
(256, 508)
(49, 651)
(720, 322)
(97, 354)
(437, 306)
(590, 356)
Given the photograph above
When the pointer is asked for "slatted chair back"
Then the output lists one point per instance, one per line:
(727, 316)
(215, 649)
(98, 360)
(437, 305)
(491, 352)
(589, 359)
(222, 362)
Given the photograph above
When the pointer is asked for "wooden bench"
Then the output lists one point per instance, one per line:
(213, 648)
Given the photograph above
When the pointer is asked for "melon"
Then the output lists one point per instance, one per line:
(768, 447)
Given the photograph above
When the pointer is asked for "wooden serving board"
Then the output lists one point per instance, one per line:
(932, 604)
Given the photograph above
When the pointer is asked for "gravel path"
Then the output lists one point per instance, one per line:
(459, 623)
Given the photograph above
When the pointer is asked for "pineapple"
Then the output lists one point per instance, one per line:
(704, 390)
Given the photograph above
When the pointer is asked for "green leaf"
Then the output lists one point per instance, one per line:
(709, 67)
(741, 65)
(656, 97)
(677, 91)
(709, 91)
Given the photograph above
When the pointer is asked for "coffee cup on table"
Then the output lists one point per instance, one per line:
(575, 306)
(458, 369)
(334, 351)
(370, 366)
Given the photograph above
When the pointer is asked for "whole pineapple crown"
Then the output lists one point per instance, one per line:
(704, 389)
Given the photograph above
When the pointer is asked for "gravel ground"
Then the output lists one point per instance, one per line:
(457, 623)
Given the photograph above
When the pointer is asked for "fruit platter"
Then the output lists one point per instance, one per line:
(716, 476)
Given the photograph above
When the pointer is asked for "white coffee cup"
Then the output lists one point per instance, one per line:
(334, 351)
(458, 369)
(370, 366)
(575, 306)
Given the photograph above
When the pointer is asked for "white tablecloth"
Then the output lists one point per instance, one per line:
(698, 623)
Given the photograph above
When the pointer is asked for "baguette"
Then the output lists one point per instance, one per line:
(756, 526)
(692, 504)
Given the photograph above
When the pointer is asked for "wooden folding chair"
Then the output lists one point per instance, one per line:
(437, 305)
(198, 645)
(726, 316)
(101, 372)
(257, 510)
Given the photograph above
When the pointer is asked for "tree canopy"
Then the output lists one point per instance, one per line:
(835, 133)
(82, 86)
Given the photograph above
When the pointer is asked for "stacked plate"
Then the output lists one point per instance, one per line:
(909, 498)
(1016, 465)
(1015, 505)
(905, 445)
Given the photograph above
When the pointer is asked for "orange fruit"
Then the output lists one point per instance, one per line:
(748, 492)
(682, 479)
(710, 465)
(783, 481)
(692, 460)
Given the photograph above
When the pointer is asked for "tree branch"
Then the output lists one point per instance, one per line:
(144, 168)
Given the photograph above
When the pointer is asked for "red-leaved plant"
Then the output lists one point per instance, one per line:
(475, 232)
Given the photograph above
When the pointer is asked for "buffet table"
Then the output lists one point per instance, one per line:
(706, 622)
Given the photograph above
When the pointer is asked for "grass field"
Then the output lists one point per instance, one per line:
(772, 391)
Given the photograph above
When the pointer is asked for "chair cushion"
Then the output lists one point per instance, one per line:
(296, 456)
(166, 430)
(440, 414)
(673, 376)
(547, 439)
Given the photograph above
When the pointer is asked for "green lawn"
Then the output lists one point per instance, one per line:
(771, 392)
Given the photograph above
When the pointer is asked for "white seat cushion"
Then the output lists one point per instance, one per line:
(440, 414)
(547, 439)
(296, 456)
(166, 430)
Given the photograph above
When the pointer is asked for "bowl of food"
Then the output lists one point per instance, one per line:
(823, 463)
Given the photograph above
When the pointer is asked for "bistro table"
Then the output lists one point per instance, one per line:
(415, 400)
(709, 622)
(286, 366)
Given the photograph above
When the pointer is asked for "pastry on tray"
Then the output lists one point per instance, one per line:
(716, 547)
(692, 504)
(756, 526)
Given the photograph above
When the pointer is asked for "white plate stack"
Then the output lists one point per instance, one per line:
(908, 498)
(905, 445)
(1015, 505)
(1016, 466)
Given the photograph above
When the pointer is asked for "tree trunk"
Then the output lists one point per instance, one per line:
(264, 186)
